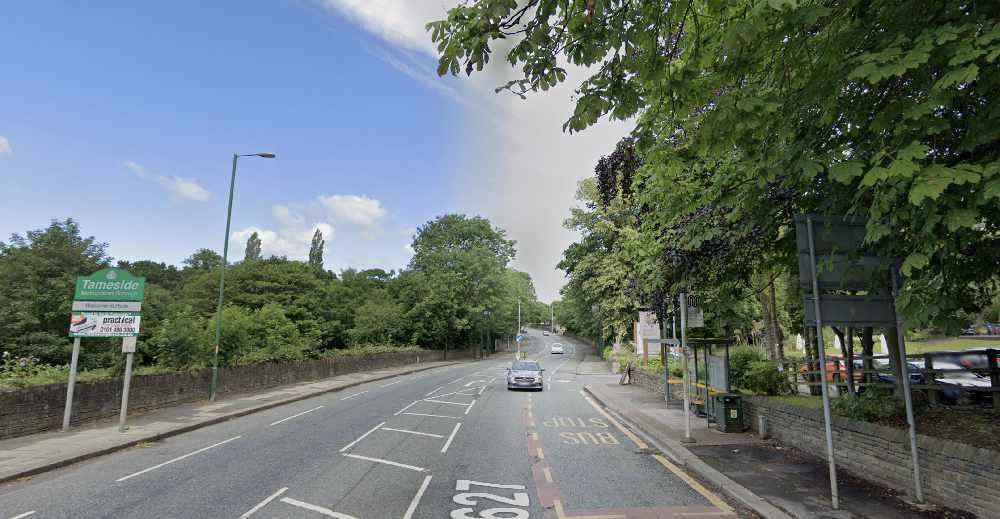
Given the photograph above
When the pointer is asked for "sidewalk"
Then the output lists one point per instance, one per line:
(774, 481)
(37, 453)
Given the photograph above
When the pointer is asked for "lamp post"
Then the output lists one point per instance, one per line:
(222, 270)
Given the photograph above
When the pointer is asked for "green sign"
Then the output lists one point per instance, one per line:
(111, 284)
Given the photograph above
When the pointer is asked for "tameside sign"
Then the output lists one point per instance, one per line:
(112, 284)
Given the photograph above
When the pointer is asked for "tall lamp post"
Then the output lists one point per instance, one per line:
(222, 270)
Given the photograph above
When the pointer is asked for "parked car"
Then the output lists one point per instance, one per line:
(836, 369)
(525, 374)
(962, 384)
(556, 348)
(545, 334)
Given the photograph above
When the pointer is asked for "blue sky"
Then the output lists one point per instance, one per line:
(124, 116)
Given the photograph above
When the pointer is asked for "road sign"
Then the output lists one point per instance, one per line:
(520, 338)
(107, 306)
(112, 284)
(128, 344)
(854, 311)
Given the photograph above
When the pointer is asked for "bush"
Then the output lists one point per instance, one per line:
(608, 350)
(764, 378)
(873, 405)
(654, 365)
(676, 371)
(740, 360)
(181, 341)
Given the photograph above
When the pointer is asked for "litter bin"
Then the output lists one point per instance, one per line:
(729, 417)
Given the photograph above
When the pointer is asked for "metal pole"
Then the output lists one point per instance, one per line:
(665, 356)
(907, 397)
(834, 497)
(518, 316)
(222, 285)
(128, 379)
(552, 318)
(72, 383)
(684, 367)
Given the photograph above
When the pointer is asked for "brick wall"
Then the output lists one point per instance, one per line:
(954, 474)
(40, 408)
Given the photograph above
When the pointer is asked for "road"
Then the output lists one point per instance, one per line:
(445, 443)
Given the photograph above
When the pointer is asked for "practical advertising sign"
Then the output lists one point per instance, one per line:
(104, 324)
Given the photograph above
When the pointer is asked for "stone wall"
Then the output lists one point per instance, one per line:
(40, 408)
(954, 474)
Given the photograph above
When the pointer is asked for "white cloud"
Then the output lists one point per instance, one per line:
(5, 148)
(359, 210)
(291, 242)
(517, 148)
(284, 216)
(180, 188)
(400, 22)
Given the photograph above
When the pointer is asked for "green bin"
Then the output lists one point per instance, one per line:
(729, 417)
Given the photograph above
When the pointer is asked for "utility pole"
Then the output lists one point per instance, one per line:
(552, 318)
(518, 316)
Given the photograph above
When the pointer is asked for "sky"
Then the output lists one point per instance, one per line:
(125, 116)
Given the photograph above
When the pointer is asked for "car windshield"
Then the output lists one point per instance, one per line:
(526, 366)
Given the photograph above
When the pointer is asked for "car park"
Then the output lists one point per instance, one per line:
(525, 374)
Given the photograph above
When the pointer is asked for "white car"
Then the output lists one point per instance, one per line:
(556, 348)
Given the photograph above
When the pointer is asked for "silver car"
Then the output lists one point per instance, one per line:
(525, 374)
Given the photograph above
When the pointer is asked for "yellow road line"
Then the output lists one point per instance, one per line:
(548, 474)
(561, 513)
(541, 455)
(635, 439)
(698, 487)
(533, 435)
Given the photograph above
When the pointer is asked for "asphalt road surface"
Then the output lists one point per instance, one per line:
(445, 443)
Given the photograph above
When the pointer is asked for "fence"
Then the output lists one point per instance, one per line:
(967, 377)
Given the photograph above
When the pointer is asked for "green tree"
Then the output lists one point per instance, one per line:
(203, 260)
(316, 251)
(252, 252)
(38, 274)
(181, 341)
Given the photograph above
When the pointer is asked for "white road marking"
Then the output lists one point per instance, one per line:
(387, 462)
(445, 402)
(411, 404)
(470, 407)
(168, 462)
(413, 432)
(416, 499)
(481, 390)
(325, 511)
(26, 514)
(434, 415)
(469, 383)
(451, 437)
(392, 383)
(353, 443)
(295, 416)
(439, 388)
(354, 395)
(263, 503)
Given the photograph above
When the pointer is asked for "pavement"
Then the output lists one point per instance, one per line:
(774, 481)
(447, 442)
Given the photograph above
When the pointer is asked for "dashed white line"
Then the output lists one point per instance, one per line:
(451, 437)
(439, 388)
(294, 416)
(481, 390)
(392, 383)
(325, 511)
(354, 395)
(416, 499)
(411, 404)
(413, 432)
(470, 407)
(26, 514)
(353, 443)
(445, 402)
(263, 503)
(434, 415)
(387, 462)
(168, 462)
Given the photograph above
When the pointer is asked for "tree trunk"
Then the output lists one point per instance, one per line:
(867, 350)
(771, 333)
(848, 371)
(812, 353)
(896, 363)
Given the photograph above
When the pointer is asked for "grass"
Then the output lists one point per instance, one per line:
(808, 402)
(60, 375)
(912, 347)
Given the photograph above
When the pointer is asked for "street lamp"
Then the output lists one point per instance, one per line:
(222, 270)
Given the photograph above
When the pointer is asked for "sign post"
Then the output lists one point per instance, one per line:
(107, 303)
